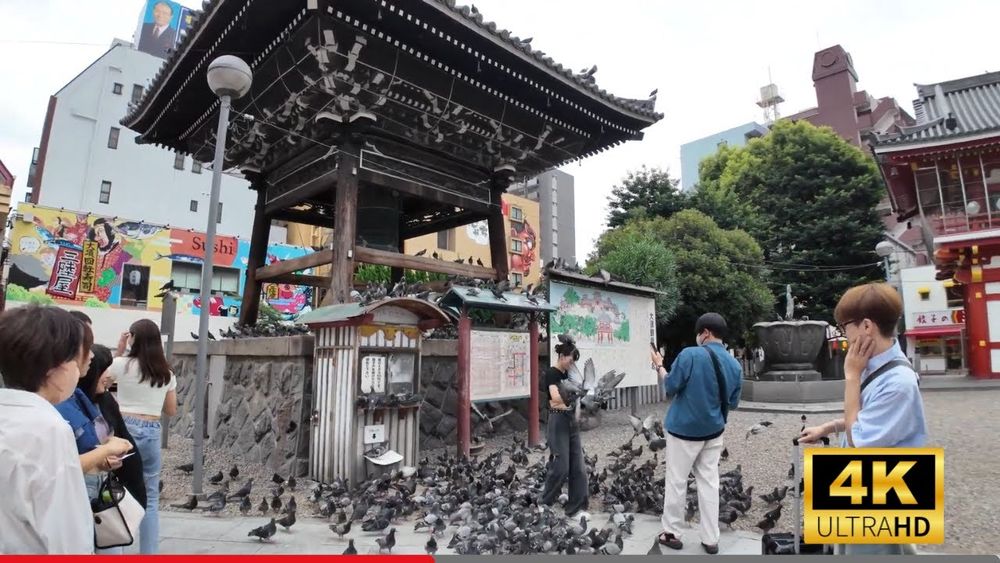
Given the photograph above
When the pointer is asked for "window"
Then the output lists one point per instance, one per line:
(194, 205)
(195, 167)
(516, 279)
(516, 214)
(117, 89)
(515, 245)
(218, 214)
(179, 161)
(136, 93)
(955, 296)
(105, 192)
(446, 239)
(113, 138)
(187, 278)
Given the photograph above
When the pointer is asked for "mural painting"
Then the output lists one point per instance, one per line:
(590, 315)
(64, 256)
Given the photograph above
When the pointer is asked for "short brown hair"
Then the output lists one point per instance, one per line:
(33, 341)
(878, 302)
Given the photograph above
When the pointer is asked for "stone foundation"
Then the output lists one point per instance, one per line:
(259, 398)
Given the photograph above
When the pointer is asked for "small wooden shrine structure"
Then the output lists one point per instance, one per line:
(382, 119)
(372, 353)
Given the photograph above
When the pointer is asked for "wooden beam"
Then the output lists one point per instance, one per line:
(301, 279)
(421, 191)
(290, 266)
(302, 217)
(458, 220)
(498, 243)
(345, 223)
(421, 263)
(258, 250)
(318, 185)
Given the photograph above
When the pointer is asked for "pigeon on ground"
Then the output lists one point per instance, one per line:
(758, 428)
(264, 532)
(234, 472)
(186, 468)
(216, 479)
(245, 506)
(431, 546)
(341, 529)
(287, 521)
(244, 490)
(386, 543)
(351, 550)
(263, 506)
(190, 504)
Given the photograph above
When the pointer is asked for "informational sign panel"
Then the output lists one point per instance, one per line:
(373, 374)
(614, 329)
(500, 366)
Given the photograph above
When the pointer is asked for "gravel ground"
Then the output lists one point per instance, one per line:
(958, 422)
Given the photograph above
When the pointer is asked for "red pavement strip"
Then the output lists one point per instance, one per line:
(224, 558)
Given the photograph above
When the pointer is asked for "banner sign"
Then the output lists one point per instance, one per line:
(88, 276)
(65, 273)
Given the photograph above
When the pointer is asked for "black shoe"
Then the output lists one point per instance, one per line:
(710, 549)
(670, 540)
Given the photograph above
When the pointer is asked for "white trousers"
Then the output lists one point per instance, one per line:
(701, 458)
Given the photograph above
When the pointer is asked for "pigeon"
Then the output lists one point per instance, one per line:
(186, 468)
(758, 428)
(290, 507)
(244, 490)
(287, 521)
(766, 524)
(245, 506)
(421, 252)
(276, 504)
(216, 479)
(386, 543)
(264, 532)
(291, 483)
(218, 504)
(341, 529)
(167, 286)
(194, 336)
(431, 546)
(435, 256)
(351, 550)
(728, 517)
(263, 506)
(190, 504)
(479, 262)
(774, 514)
(605, 275)
(278, 479)
(234, 472)
(725, 454)
(211, 336)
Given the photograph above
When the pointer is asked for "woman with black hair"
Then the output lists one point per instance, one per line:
(563, 434)
(146, 391)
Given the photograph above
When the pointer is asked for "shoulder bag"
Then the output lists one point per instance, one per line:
(723, 396)
(117, 514)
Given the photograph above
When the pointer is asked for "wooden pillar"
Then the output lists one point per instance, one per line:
(977, 326)
(498, 235)
(463, 410)
(259, 235)
(396, 274)
(345, 225)
(534, 434)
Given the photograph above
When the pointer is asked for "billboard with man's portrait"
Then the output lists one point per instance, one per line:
(162, 25)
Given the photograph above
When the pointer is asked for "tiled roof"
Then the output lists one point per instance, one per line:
(954, 109)
(584, 81)
(642, 107)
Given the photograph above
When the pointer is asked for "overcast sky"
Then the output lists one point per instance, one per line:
(707, 58)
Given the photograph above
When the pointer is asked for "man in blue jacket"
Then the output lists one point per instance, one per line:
(704, 382)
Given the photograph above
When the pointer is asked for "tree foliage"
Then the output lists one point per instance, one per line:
(809, 198)
(647, 192)
(714, 270)
(636, 257)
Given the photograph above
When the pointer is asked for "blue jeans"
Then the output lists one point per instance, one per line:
(93, 482)
(146, 434)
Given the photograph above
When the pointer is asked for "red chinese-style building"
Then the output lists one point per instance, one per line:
(945, 174)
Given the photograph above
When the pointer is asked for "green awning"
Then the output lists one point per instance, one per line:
(458, 296)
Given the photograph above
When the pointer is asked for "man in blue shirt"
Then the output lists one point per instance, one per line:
(882, 407)
(704, 381)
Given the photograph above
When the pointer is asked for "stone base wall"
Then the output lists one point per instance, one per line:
(259, 399)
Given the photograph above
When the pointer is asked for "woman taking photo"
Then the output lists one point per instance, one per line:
(563, 435)
(146, 391)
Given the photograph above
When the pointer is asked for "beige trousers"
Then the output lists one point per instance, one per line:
(701, 458)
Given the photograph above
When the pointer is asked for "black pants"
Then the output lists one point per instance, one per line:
(565, 462)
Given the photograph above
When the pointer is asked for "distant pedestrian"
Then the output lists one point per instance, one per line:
(882, 403)
(563, 435)
(704, 382)
(146, 391)
(45, 509)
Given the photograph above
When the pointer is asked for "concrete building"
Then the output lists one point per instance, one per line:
(935, 321)
(87, 161)
(554, 192)
(693, 152)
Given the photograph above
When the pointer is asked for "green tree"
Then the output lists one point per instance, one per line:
(809, 198)
(623, 333)
(589, 327)
(636, 257)
(647, 192)
(715, 270)
(571, 296)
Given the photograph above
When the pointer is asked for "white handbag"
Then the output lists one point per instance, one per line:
(117, 514)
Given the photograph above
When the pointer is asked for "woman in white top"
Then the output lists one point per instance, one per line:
(146, 391)
(45, 508)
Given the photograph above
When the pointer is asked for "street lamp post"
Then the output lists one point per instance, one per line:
(885, 249)
(229, 78)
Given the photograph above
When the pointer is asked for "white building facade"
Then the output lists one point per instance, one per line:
(935, 322)
(88, 162)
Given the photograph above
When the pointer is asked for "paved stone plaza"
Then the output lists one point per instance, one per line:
(961, 421)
